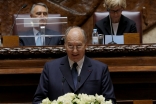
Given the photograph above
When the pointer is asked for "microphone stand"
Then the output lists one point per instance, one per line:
(42, 30)
(63, 80)
(112, 42)
(78, 81)
(16, 17)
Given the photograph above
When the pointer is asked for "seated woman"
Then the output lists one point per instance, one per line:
(115, 23)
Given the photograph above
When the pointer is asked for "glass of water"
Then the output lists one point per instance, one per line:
(101, 38)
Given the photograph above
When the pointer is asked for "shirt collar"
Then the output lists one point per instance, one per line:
(79, 63)
(35, 31)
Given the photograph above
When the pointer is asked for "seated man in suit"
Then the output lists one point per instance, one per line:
(40, 11)
(115, 23)
(58, 78)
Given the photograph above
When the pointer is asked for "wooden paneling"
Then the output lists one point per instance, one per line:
(116, 64)
(133, 74)
(142, 102)
(133, 78)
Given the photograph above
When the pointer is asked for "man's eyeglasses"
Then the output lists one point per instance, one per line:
(115, 11)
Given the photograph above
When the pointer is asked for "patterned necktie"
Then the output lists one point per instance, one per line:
(74, 74)
(39, 41)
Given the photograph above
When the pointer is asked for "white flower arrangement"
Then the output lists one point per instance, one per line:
(71, 98)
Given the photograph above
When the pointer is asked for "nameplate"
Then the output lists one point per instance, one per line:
(118, 39)
(132, 38)
(10, 41)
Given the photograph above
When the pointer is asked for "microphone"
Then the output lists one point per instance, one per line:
(63, 80)
(112, 32)
(25, 5)
(61, 42)
(42, 30)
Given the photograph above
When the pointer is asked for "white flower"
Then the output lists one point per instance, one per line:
(67, 98)
(71, 98)
(46, 101)
(109, 102)
(77, 101)
(54, 102)
(86, 98)
(100, 99)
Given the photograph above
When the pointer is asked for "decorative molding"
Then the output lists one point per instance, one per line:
(91, 51)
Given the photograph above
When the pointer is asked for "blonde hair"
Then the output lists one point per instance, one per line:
(114, 3)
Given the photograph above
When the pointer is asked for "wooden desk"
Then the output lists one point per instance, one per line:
(132, 69)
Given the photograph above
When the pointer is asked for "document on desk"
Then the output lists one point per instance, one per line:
(118, 39)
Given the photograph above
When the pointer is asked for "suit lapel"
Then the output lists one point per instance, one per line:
(85, 72)
(66, 72)
(47, 39)
(122, 25)
(31, 40)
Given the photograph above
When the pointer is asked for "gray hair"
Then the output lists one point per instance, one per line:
(41, 4)
(82, 31)
(114, 3)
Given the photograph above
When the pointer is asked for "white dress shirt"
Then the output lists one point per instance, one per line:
(79, 63)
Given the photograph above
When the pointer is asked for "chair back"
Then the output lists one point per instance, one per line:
(133, 15)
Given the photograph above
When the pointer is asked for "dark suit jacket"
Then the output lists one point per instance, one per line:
(56, 80)
(125, 26)
(30, 41)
